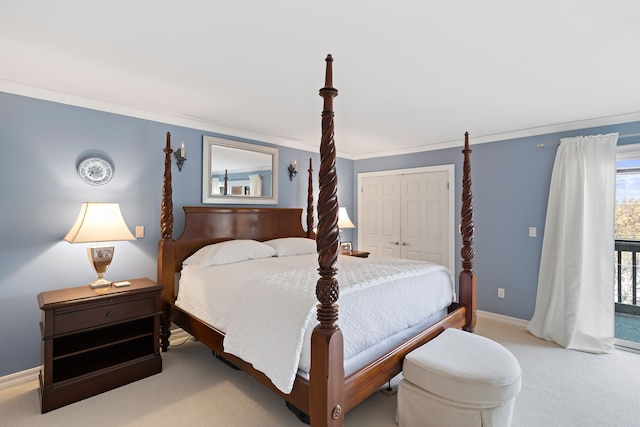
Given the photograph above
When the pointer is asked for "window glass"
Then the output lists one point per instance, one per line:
(627, 225)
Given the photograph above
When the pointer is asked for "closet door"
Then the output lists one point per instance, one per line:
(380, 216)
(407, 215)
(424, 222)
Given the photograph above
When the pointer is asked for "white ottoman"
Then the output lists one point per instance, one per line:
(458, 380)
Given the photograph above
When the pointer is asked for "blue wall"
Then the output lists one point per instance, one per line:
(41, 195)
(510, 190)
(43, 141)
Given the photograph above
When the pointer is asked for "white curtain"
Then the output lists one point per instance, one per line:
(574, 304)
(255, 185)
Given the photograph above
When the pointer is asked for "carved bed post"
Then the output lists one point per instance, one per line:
(166, 248)
(467, 278)
(326, 393)
(310, 232)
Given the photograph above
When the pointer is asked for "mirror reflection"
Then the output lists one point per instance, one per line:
(237, 172)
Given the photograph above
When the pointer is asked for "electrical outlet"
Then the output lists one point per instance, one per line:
(500, 292)
(139, 231)
(532, 232)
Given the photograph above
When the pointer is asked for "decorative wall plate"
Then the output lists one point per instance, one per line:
(95, 170)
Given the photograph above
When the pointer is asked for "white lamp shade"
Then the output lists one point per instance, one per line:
(343, 219)
(99, 222)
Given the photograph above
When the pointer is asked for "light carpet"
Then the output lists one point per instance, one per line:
(560, 388)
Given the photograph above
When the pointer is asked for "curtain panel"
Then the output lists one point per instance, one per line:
(574, 303)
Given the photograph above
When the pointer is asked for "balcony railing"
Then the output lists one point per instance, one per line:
(627, 262)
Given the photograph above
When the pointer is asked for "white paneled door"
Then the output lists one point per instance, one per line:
(381, 218)
(424, 221)
(408, 215)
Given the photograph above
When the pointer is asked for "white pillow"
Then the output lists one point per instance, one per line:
(288, 246)
(229, 252)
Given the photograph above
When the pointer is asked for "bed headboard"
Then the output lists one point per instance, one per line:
(205, 225)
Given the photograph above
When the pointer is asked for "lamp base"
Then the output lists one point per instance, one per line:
(100, 283)
(100, 257)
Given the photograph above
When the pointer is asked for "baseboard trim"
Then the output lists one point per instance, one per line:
(502, 318)
(624, 345)
(19, 378)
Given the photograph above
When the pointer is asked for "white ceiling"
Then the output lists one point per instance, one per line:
(412, 75)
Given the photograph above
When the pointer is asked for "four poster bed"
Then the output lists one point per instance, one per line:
(330, 385)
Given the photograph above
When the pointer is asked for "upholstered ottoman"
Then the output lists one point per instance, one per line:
(458, 380)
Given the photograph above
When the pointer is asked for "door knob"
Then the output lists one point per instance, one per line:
(405, 244)
(395, 243)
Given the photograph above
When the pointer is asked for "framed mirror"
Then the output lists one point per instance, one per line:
(238, 173)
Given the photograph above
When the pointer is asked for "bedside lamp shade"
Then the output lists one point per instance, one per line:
(343, 219)
(344, 222)
(99, 222)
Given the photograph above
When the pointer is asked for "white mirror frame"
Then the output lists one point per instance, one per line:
(208, 142)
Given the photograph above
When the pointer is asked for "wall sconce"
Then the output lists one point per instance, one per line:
(181, 156)
(293, 170)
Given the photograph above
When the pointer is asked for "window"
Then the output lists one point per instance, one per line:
(627, 225)
(627, 247)
(627, 216)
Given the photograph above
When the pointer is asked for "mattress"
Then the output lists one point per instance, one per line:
(266, 307)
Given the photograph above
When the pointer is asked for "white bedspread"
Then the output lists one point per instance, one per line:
(268, 311)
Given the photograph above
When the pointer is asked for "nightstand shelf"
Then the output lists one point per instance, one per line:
(67, 346)
(96, 340)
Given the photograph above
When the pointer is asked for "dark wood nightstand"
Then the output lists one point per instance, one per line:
(359, 254)
(94, 340)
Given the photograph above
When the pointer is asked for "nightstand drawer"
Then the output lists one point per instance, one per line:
(69, 320)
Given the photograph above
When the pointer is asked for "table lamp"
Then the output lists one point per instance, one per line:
(344, 222)
(99, 222)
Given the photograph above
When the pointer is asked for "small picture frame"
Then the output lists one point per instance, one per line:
(345, 248)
